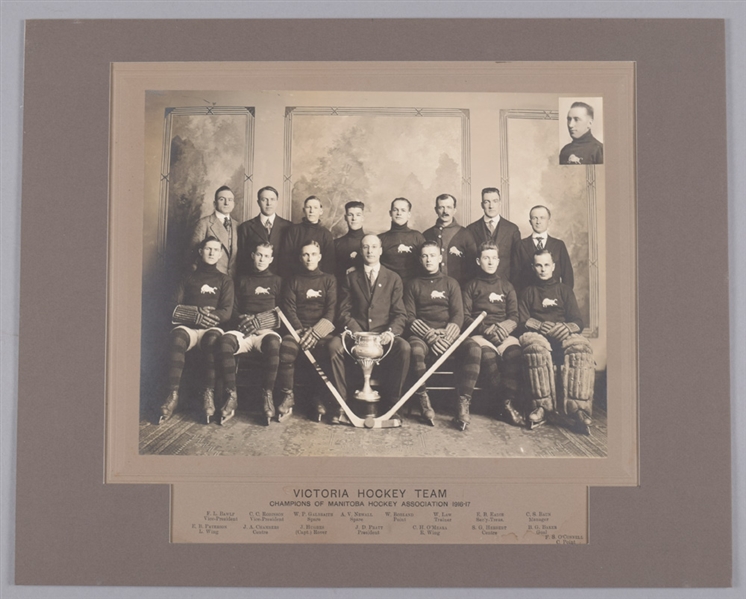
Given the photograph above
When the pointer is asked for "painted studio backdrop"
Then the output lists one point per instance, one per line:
(372, 147)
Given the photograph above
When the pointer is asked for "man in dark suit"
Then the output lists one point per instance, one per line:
(222, 225)
(266, 227)
(495, 229)
(523, 256)
(371, 300)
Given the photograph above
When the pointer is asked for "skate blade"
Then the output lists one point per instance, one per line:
(207, 418)
(226, 417)
(163, 419)
(534, 425)
(283, 417)
(461, 425)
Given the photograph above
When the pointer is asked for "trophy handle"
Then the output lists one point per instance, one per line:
(347, 332)
(383, 357)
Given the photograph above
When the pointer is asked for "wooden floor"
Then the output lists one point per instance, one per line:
(247, 434)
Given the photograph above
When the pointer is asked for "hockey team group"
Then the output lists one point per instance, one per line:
(277, 289)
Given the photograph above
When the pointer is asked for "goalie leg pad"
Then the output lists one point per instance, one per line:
(538, 369)
(578, 374)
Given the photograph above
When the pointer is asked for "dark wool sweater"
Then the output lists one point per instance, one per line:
(308, 297)
(549, 301)
(295, 237)
(458, 248)
(587, 148)
(206, 287)
(347, 252)
(256, 292)
(489, 293)
(435, 299)
(401, 250)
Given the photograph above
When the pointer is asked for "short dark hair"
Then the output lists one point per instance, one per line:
(549, 212)
(354, 204)
(541, 252)
(309, 198)
(428, 244)
(267, 188)
(264, 244)
(401, 200)
(445, 196)
(206, 240)
(222, 188)
(491, 190)
(588, 107)
(488, 245)
(308, 242)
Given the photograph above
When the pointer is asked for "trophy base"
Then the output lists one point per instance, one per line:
(369, 396)
(366, 403)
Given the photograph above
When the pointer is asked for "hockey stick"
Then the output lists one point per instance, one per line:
(353, 418)
(444, 356)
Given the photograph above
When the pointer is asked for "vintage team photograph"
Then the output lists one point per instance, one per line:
(373, 274)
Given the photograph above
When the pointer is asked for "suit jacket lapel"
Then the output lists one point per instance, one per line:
(362, 280)
(217, 229)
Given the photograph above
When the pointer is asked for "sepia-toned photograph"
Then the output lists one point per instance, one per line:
(316, 264)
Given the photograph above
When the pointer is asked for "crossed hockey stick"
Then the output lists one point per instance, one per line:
(384, 421)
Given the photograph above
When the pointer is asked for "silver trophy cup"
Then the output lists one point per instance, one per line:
(367, 351)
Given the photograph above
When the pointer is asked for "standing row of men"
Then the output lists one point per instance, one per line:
(417, 290)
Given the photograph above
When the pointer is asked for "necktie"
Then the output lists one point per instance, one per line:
(227, 224)
(268, 226)
(372, 279)
(491, 226)
(540, 243)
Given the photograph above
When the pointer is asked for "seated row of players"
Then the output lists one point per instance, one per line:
(432, 308)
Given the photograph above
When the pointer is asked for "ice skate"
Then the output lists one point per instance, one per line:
(208, 403)
(319, 408)
(286, 405)
(229, 409)
(463, 418)
(269, 405)
(426, 409)
(168, 407)
(536, 418)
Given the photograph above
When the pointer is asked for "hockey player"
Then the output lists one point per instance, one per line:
(347, 248)
(550, 316)
(401, 245)
(310, 228)
(309, 301)
(203, 300)
(434, 317)
(255, 321)
(491, 348)
(456, 243)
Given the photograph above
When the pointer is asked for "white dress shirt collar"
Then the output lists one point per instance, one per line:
(373, 267)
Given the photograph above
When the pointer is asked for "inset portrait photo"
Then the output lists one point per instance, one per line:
(581, 131)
